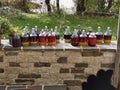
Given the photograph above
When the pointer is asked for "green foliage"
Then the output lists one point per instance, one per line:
(115, 7)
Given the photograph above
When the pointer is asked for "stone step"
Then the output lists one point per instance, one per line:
(55, 87)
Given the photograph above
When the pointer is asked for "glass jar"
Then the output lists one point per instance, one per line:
(57, 34)
(51, 38)
(33, 38)
(108, 36)
(92, 39)
(83, 39)
(99, 36)
(67, 35)
(74, 39)
(42, 39)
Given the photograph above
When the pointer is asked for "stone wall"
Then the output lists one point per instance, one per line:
(46, 67)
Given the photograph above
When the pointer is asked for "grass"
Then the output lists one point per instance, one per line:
(62, 21)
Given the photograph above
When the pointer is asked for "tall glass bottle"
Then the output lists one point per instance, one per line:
(26, 29)
(51, 38)
(46, 32)
(42, 39)
(33, 38)
(16, 41)
(79, 30)
(92, 39)
(67, 35)
(74, 38)
(83, 39)
(57, 34)
(99, 36)
(25, 39)
(108, 36)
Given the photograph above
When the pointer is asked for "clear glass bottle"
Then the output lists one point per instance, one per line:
(74, 38)
(83, 39)
(92, 39)
(46, 32)
(33, 38)
(51, 38)
(99, 36)
(90, 30)
(79, 30)
(108, 36)
(67, 35)
(26, 29)
(42, 38)
(16, 41)
(25, 39)
(57, 34)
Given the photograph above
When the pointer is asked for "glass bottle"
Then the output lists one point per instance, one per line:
(90, 30)
(51, 38)
(83, 39)
(42, 38)
(74, 38)
(57, 34)
(33, 38)
(92, 39)
(26, 29)
(25, 39)
(67, 35)
(16, 41)
(79, 30)
(99, 36)
(46, 32)
(108, 36)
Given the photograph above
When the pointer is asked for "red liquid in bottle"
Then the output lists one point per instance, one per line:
(67, 38)
(92, 41)
(33, 40)
(16, 42)
(107, 39)
(99, 39)
(25, 41)
(42, 40)
(75, 41)
(83, 41)
(51, 40)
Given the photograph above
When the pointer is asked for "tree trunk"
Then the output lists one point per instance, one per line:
(48, 6)
(58, 6)
(80, 6)
(109, 4)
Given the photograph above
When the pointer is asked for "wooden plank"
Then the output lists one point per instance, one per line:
(116, 74)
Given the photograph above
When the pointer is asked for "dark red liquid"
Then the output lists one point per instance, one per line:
(24, 39)
(51, 40)
(46, 38)
(42, 39)
(68, 37)
(99, 37)
(75, 41)
(107, 37)
(92, 41)
(83, 39)
(16, 42)
(33, 38)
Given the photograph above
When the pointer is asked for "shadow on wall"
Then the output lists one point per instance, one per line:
(100, 82)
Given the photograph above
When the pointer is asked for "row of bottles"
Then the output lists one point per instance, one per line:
(42, 38)
(81, 38)
(51, 37)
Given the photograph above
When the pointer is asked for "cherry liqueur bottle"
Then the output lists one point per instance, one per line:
(46, 32)
(25, 38)
(16, 41)
(57, 34)
(67, 35)
(51, 38)
(42, 38)
(108, 36)
(92, 39)
(74, 38)
(33, 38)
(83, 39)
(99, 36)
(79, 31)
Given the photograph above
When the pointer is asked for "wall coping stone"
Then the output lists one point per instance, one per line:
(60, 47)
